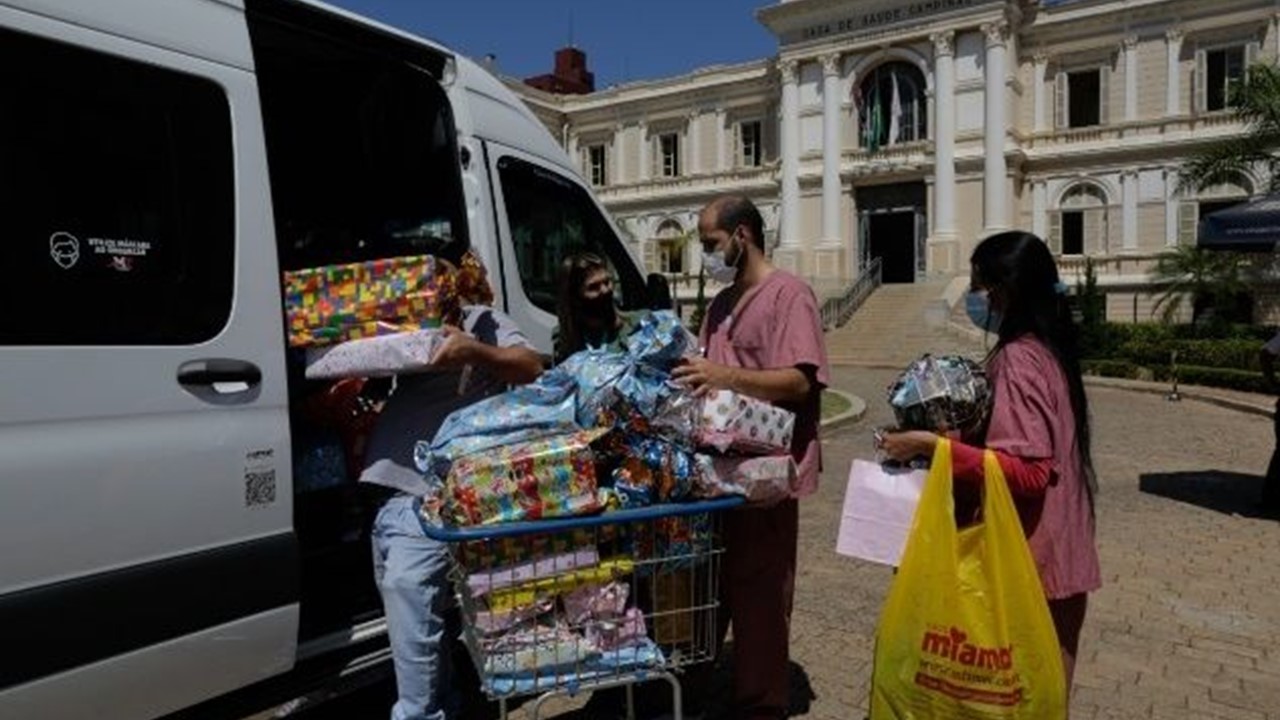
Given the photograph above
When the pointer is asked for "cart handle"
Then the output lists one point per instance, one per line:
(618, 517)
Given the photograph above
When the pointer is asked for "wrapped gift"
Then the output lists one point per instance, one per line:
(524, 414)
(761, 480)
(729, 421)
(941, 394)
(381, 356)
(651, 470)
(332, 304)
(551, 477)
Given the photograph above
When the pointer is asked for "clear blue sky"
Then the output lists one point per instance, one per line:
(624, 39)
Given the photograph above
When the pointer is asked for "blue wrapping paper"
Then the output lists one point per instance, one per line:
(529, 412)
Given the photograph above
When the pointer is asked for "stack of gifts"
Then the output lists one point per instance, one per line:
(336, 303)
(603, 431)
(380, 317)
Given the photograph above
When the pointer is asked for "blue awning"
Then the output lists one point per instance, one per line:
(1252, 226)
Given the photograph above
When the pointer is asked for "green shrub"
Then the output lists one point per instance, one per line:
(1232, 354)
(1243, 380)
(1110, 368)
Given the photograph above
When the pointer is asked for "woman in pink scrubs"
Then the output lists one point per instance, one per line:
(1039, 426)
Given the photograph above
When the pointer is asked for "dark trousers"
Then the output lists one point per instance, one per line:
(1271, 486)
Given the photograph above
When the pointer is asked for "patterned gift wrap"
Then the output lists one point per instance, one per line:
(761, 480)
(730, 421)
(336, 303)
(551, 477)
(381, 356)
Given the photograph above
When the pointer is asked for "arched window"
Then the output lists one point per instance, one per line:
(670, 238)
(1079, 227)
(891, 106)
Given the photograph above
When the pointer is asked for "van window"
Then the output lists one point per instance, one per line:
(362, 151)
(119, 213)
(551, 218)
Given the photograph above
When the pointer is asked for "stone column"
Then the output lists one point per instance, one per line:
(994, 183)
(790, 141)
(576, 155)
(646, 147)
(619, 154)
(1041, 97)
(1040, 209)
(831, 149)
(1173, 46)
(722, 145)
(1130, 49)
(1129, 215)
(694, 166)
(944, 136)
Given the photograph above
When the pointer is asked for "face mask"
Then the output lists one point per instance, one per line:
(718, 268)
(599, 307)
(978, 306)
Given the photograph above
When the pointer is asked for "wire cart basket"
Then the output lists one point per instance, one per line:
(558, 607)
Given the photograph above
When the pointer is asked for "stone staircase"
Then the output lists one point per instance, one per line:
(899, 323)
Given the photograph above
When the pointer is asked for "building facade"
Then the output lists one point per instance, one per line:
(904, 131)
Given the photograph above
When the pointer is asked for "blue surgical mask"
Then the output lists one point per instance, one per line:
(978, 305)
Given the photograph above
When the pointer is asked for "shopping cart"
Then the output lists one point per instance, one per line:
(558, 607)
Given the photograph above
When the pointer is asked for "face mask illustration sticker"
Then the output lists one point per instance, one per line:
(64, 248)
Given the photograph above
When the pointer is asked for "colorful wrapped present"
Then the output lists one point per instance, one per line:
(530, 592)
(530, 412)
(551, 477)
(381, 356)
(332, 304)
(651, 470)
(761, 480)
(730, 421)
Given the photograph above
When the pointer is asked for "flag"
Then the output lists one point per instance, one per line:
(872, 123)
(895, 112)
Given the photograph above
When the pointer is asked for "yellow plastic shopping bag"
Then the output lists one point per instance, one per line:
(966, 632)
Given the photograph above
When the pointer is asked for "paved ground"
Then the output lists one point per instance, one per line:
(1188, 624)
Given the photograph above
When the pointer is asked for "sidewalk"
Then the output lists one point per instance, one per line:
(1251, 403)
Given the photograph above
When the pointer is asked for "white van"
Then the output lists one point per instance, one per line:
(162, 162)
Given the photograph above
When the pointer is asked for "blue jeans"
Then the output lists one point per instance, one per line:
(411, 570)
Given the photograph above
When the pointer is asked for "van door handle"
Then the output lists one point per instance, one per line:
(221, 375)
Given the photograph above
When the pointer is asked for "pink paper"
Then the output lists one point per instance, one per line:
(879, 504)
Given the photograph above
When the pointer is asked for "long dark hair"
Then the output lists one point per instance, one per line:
(1020, 269)
(574, 272)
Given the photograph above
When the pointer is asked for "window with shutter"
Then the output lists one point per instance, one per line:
(651, 261)
(1188, 219)
(1055, 233)
(1095, 221)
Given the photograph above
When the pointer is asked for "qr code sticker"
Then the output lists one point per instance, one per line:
(259, 487)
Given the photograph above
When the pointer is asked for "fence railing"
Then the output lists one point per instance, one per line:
(836, 311)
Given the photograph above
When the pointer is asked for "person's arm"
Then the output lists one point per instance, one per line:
(1026, 476)
(781, 385)
(516, 364)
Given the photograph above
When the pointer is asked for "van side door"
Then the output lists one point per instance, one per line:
(146, 547)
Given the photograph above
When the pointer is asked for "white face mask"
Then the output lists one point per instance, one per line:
(718, 268)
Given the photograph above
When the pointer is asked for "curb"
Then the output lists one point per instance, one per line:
(1261, 409)
(857, 408)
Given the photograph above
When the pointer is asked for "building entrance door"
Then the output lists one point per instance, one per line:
(892, 226)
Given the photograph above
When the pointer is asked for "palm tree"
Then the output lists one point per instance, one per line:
(1213, 280)
(1217, 280)
(1256, 102)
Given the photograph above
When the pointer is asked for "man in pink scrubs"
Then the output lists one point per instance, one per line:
(762, 337)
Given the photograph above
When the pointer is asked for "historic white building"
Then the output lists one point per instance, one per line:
(906, 130)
